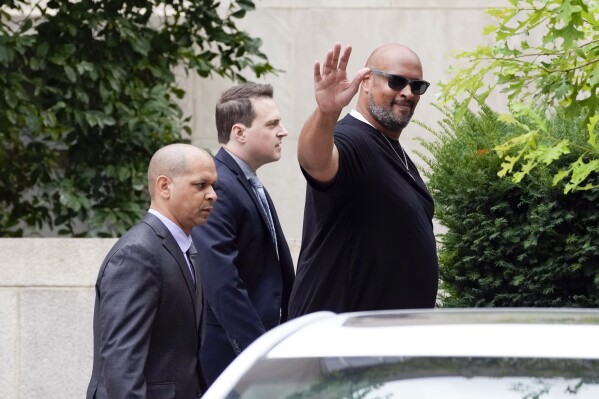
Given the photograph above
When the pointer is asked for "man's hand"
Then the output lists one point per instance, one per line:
(331, 88)
(316, 149)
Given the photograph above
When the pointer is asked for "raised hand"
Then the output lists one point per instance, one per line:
(332, 89)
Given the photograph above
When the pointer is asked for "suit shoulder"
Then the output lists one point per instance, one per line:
(141, 233)
(140, 241)
(228, 186)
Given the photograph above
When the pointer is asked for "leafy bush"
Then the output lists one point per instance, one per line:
(87, 94)
(542, 52)
(508, 244)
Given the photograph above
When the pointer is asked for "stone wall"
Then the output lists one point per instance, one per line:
(46, 309)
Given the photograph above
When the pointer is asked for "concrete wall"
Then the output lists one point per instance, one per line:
(46, 309)
(46, 284)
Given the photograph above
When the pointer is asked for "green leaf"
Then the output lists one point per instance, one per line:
(70, 72)
(591, 128)
(547, 155)
(99, 119)
(58, 60)
(42, 50)
(580, 171)
(124, 173)
(507, 166)
(6, 55)
(487, 30)
(10, 98)
(528, 139)
(49, 119)
(238, 14)
(11, 116)
(561, 175)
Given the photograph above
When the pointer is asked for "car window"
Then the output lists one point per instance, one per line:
(420, 378)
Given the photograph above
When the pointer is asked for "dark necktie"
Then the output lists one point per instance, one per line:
(192, 258)
(259, 190)
(192, 268)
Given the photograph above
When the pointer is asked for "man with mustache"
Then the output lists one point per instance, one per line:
(246, 267)
(368, 239)
(148, 309)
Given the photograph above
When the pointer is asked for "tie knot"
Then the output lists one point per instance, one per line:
(255, 182)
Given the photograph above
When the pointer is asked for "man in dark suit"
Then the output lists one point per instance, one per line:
(147, 315)
(247, 271)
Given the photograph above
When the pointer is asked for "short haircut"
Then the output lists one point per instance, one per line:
(235, 106)
(170, 161)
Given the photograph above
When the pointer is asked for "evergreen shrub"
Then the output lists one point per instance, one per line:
(508, 244)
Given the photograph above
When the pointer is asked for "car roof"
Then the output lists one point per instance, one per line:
(488, 332)
(519, 332)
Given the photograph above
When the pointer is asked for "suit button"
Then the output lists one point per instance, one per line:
(277, 295)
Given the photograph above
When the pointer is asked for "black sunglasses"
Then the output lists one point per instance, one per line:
(398, 82)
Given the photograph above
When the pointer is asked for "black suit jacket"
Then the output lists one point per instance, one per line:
(246, 287)
(146, 319)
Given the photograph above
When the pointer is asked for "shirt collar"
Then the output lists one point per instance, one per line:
(183, 240)
(356, 114)
(247, 171)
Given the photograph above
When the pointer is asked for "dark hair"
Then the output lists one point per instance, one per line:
(235, 106)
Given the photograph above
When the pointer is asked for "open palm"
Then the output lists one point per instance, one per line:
(332, 89)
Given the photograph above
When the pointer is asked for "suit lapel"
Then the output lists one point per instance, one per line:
(225, 158)
(170, 244)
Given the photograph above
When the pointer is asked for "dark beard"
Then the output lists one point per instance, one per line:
(385, 117)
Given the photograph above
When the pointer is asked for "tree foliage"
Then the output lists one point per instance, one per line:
(545, 57)
(88, 93)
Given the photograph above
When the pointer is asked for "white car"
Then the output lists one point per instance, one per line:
(449, 354)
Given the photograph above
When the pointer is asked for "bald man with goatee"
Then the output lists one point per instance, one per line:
(368, 241)
(148, 310)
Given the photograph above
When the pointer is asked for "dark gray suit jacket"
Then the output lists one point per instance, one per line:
(147, 319)
(246, 286)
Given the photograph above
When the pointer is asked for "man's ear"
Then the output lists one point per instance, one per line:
(238, 133)
(366, 82)
(163, 186)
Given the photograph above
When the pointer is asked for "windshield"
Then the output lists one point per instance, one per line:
(421, 378)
